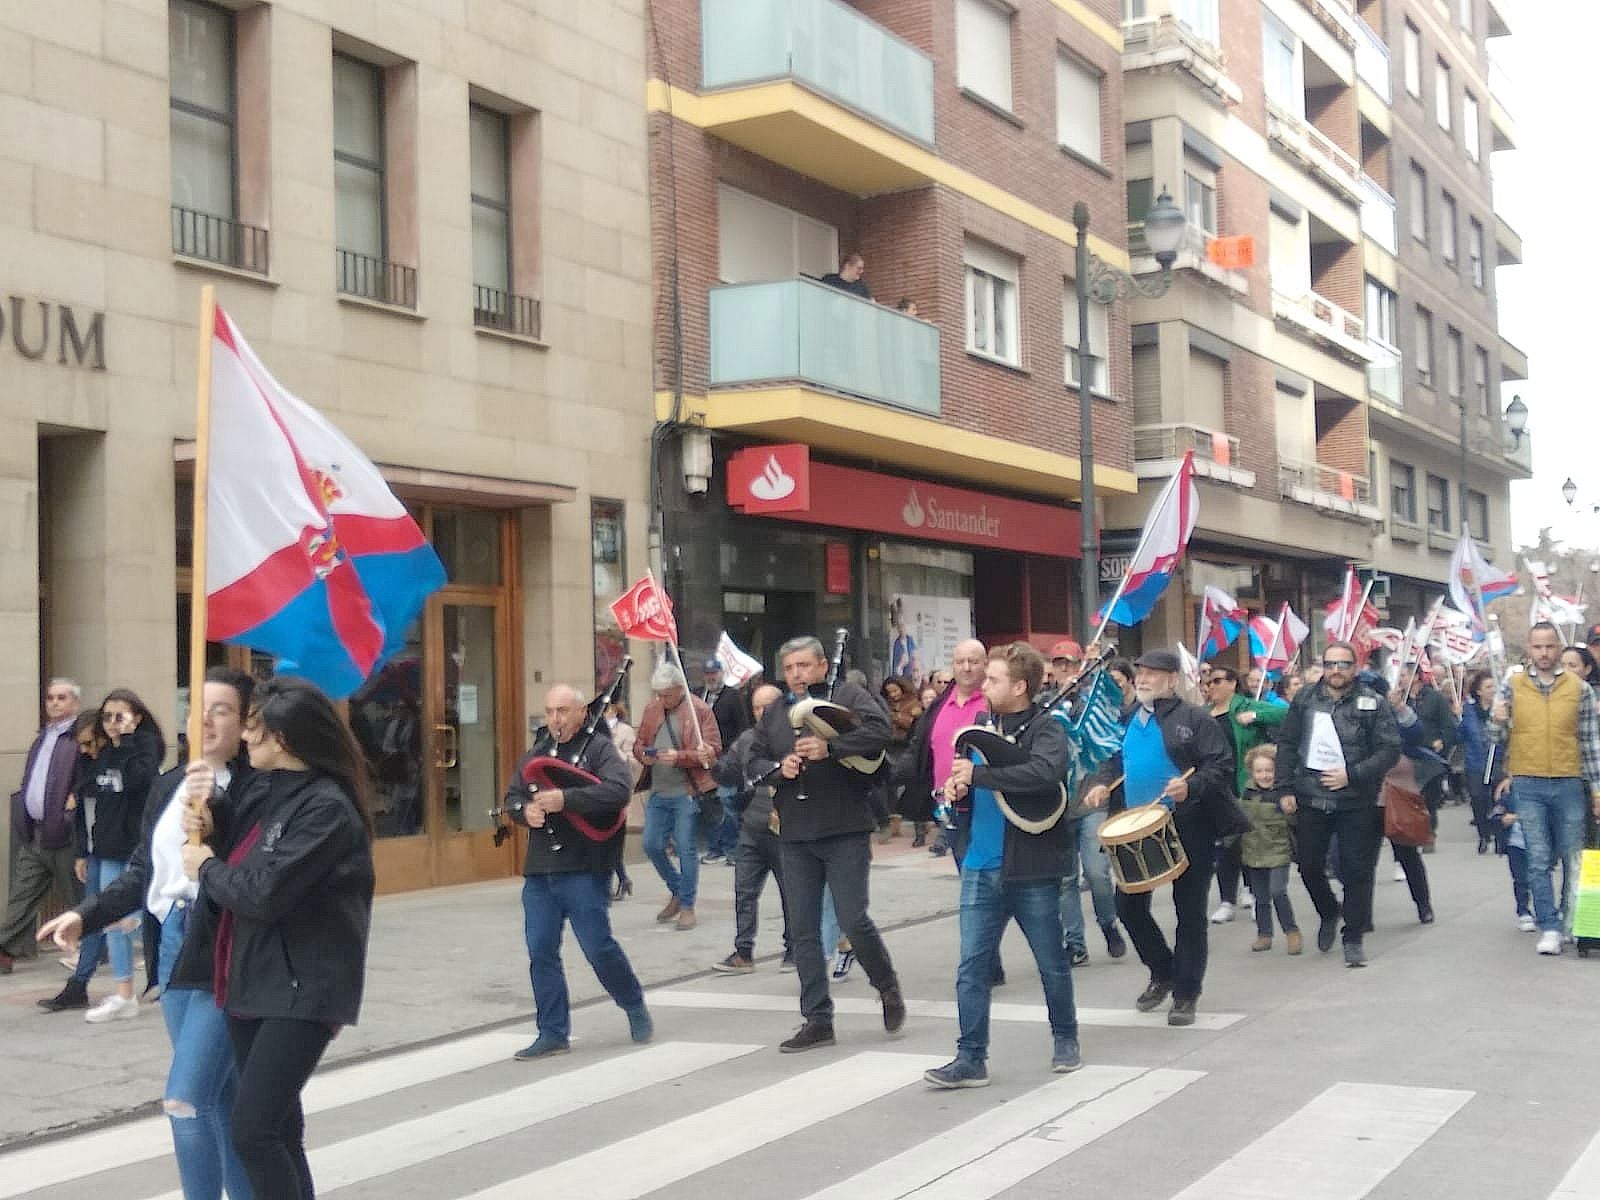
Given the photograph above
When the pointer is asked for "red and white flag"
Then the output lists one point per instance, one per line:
(644, 611)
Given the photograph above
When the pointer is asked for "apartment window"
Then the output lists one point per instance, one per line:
(1202, 18)
(1279, 66)
(1438, 503)
(1470, 132)
(992, 303)
(1134, 10)
(608, 543)
(360, 225)
(1480, 379)
(1141, 198)
(1078, 107)
(1413, 60)
(491, 198)
(1449, 218)
(200, 40)
(1478, 514)
(1200, 195)
(1424, 350)
(1464, 14)
(983, 50)
(1475, 251)
(1382, 322)
(1402, 490)
(760, 241)
(1289, 255)
(1455, 362)
(1442, 103)
(1419, 203)
(1099, 340)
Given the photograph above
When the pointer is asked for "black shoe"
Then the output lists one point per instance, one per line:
(921, 840)
(998, 979)
(809, 1036)
(624, 889)
(1115, 946)
(1425, 914)
(1327, 931)
(1155, 992)
(1483, 844)
(74, 995)
(894, 1009)
(1182, 1013)
(1354, 955)
(1078, 955)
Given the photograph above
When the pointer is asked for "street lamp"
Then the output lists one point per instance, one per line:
(1516, 419)
(1100, 283)
(1569, 491)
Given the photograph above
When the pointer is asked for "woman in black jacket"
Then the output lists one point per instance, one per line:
(294, 890)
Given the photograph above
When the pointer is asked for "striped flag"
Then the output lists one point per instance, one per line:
(1095, 729)
(1221, 621)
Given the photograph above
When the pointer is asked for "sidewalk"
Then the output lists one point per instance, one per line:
(441, 962)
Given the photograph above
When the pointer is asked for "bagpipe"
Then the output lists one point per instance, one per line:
(820, 716)
(549, 771)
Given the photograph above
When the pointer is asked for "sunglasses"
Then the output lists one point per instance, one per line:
(1338, 664)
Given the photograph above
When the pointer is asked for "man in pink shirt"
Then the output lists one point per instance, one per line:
(932, 743)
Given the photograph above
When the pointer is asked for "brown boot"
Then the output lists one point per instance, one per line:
(667, 913)
(894, 825)
(1262, 943)
(686, 919)
(1296, 942)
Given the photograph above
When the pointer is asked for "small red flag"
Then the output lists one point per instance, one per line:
(644, 611)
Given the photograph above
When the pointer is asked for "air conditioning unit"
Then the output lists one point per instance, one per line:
(1380, 586)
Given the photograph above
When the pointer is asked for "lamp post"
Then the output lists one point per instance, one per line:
(1516, 417)
(1100, 283)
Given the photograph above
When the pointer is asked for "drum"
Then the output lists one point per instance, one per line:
(1142, 844)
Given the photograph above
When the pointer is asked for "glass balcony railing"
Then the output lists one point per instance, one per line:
(1379, 219)
(825, 45)
(1385, 376)
(801, 330)
(1372, 59)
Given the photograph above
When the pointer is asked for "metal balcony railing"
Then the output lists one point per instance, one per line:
(1165, 40)
(1160, 443)
(1380, 218)
(493, 308)
(220, 240)
(1322, 486)
(1309, 144)
(376, 279)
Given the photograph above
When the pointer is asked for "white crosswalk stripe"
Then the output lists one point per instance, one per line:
(1582, 1182)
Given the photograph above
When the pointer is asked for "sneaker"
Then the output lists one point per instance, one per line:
(809, 1036)
(1549, 942)
(1223, 915)
(1182, 1013)
(841, 970)
(113, 1008)
(1066, 1058)
(894, 1009)
(1327, 930)
(1115, 946)
(1078, 955)
(710, 857)
(734, 964)
(69, 962)
(1527, 924)
(544, 1046)
(668, 913)
(1354, 955)
(1296, 943)
(1399, 873)
(74, 995)
(1154, 993)
(786, 967)
(686, 920)
(958, 1073)
(640, 1027)
(1247, 901)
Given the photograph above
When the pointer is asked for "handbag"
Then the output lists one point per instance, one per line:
(1405, 816)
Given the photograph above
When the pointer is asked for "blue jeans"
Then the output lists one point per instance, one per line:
(1551, 813)
(677, 817)
(987, 905)
(1083, 849)
(202, 1078)
(103, 872)
(725, 836)
(831, 933)
(579, 897)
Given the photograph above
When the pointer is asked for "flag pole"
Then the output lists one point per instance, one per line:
(1424, 640)
(674, 652)
(1122, 584)
(1340, 630)
(202, 485)
(1266, 663)
(1349, 631)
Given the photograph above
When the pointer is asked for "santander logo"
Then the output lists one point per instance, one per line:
(939, 515)
(772, 483)
(912, 513)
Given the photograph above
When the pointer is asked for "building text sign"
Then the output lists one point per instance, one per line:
(45, 331)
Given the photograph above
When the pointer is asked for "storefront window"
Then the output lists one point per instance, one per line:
(607, 535)
(923, 608)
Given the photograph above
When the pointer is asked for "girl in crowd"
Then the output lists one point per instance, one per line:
(1268, 849)
(1121, 672)
(1580, 662)
(1480, 776)
(900, 694)
(291, 878)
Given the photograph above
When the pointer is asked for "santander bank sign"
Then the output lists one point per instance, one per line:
(933, 515)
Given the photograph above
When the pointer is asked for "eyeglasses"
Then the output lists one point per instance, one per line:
(1338, 664)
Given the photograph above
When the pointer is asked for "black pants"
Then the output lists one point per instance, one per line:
(275, 1058)
(842, 863)
(1433, 796)
(1183, 965)
(1360, 835)
(1230, 867)
(755, 857)
(1410, 860)
(1482, 801)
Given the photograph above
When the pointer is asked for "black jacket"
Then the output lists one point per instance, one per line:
(738, 770)
(733, 718)
(119, 783)
(1192, 738)
(1439, 723)
(1368, 735)
(301, 900)
(914, 769)
(837, 798)
(559, 847)
(1033, 789)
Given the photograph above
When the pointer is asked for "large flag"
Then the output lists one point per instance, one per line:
(1221, 621)
(737, 666)
(1263, 638)
(309, 555)
(644, 611)
(1274, 644)
(1471, 576)
(1161, 545)
(1352, 617)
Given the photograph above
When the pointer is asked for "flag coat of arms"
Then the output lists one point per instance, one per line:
(309, 555)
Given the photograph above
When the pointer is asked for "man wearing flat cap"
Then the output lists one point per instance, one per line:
(1165, 736)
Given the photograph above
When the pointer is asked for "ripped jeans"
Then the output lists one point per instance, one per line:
(199, 1092)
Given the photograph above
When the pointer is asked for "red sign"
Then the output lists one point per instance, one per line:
(1233, 253)
(838, 568)
(644, 611)
(852, 499)
(770, 479)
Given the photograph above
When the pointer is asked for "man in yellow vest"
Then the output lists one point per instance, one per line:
(1549, 723)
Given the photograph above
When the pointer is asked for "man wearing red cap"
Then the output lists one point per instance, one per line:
(1066, 662)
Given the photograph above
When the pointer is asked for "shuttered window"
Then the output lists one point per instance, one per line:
(1147, 385)
(1203, 405)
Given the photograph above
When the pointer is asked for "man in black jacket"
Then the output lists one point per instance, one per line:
(825, 824)
(758, 853)
(1335, 746)
(1008, 871)
(1164, 737)
(728, 707)
(574, 842)
(1440, 733)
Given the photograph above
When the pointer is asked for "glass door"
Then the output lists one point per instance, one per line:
(469, 731)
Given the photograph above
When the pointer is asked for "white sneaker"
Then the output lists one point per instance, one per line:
(1399, 873)
(1223, 915)
(1527, 924)
(112, 1008)
(1247, 902)
(1549, 942)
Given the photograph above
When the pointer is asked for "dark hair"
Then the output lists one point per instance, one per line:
(1022, 662)
(905, 305)
(1589, 665)
(1227, 673)
(907, 688)
(88, 722)
(146, 718)
(1121, 666)
(1543, 627)
(242, 683)
(312, 730)
(1475, 681)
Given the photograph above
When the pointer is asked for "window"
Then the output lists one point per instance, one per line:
(1099, 340)
(360, 229)
(1289, 255)
(1438, 503)
(1424, 350)
(1141, 198)
(609, 553)
(1279, 65)
(1478, 514)
(1078, 107)
(1464, 14)
(760, 241)
(1413, 60)
(1199, 195)
(1442, 103)
(1134, 10)
(1419, 203)
(983, 50)
(1448, 220)
(1480, 379)
(1402, 490)
(1475, 251)
(1455, 362)
(491, 199)
(1471, 135)
(1201, 17)
(1382, 321)
(200, 40)
(992, 303)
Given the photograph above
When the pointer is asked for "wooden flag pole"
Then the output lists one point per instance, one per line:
(202, 484)
(1266, 664)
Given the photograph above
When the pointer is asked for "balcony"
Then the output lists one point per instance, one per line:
(814, 85)
(1372, 60)
(1327, 489)
(1191, 257)
(218, 240)
(1380, 220)
(1497, 21)
(798, 330)
(1158, 451)
(1385, 375)
(1519, 452)
(1325, 322)
(1502, 95)
(1513, 362)
(505, 312)
(1507, 243)
(376, 279)
(1164, 41)
(1314, 150)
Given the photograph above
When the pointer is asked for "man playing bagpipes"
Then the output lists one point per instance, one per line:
(1009, 803)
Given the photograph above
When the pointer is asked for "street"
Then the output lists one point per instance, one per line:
(1457, 1065)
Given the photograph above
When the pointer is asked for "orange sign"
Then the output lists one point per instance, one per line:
(1232, 253)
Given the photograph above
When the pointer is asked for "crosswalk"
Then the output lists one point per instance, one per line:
(434, 1123)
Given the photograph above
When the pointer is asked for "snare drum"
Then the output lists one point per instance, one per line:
(1143, 846)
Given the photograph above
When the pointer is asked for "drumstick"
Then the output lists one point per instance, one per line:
(1118, 781)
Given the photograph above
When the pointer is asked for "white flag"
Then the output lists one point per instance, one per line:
(737, 666)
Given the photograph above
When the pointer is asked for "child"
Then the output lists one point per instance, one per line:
(1267, 850)
(1508, 840)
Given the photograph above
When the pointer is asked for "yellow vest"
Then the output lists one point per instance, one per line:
(1544, 733)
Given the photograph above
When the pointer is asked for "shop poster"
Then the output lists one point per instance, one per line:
(924, 632)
